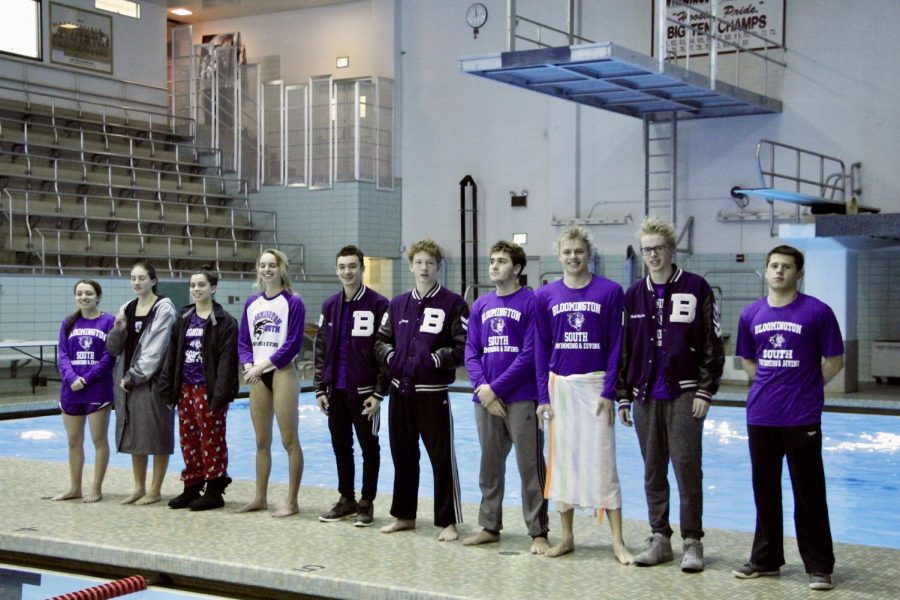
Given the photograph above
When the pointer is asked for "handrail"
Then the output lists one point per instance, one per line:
(169, 248)
(29, 128)
(28, 221)
(711, 33)
(114, 213)
(86, 224)
(125, 137)
(822, 183)
(512, 19)
(100, 107)
(9, 215)
(126, 170)
(25, 149)
(541, 26)
(43, 253)
(35, 66)
(87, 85)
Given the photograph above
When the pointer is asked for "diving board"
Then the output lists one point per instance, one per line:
(611, 77)
(805, 178)
(819, 205)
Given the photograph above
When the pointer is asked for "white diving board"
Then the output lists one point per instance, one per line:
(614, 78)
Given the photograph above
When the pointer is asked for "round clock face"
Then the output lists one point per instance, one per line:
(476, 15)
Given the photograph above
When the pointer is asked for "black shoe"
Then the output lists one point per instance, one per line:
(750, 571)
(364, 514)
(190, 493)
(820, 581)
(215, 488)
(342, 509)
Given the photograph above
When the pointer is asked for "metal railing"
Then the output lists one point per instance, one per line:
(513, 33)
(828, 179)
(61, 88)
(697, 24)
(707, 26)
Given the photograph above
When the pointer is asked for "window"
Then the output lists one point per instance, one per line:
(20, 28)
(120, 7)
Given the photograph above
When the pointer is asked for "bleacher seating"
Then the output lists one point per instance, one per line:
(82, 193)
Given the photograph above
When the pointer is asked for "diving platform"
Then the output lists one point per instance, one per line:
(611, 77)
(804, 178)
(819, 205)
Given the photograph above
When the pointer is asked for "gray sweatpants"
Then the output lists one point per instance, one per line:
(497, 435)
(667, 429)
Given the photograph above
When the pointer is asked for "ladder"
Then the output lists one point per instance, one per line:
(660, 166)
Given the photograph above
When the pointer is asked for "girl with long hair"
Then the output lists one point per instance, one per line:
(144, 422)
(271, 336)
(200, 377)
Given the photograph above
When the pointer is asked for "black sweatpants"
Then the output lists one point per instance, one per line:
(427, 415)
(345, 415)
(803, 447)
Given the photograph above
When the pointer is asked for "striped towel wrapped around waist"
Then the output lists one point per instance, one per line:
(581, 466)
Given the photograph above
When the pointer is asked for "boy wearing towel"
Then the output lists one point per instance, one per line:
(578, 337)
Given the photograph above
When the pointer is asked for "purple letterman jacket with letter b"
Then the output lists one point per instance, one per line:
(692, 338)
(365, 376)
(422, 340)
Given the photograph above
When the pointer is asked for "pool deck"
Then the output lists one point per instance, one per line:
(255, 555)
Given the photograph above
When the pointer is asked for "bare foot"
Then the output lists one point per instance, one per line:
(135, 496)
(253, 506)
(448, 534)
(92, 497)
(286, 510)
(622, 554)
(539, 545)
(68, 495)
(482, 537)
(148, 499)
(565, 546)
(399, 525)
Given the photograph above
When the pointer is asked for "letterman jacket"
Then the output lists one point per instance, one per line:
(694, 354)
(220, 358)
(422, 340)
(365, 376)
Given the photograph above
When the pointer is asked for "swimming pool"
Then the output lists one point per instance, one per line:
(24, 583)
(862, 465)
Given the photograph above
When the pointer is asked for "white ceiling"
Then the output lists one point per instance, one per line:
(214, 10)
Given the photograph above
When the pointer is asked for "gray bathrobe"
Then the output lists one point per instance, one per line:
(144, 424)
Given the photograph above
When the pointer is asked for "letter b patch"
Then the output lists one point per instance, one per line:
(432, 320)
(363, 323)
(684, 308)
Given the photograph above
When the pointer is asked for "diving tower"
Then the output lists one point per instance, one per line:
(673, 85)
(611, 77)
(662, 87)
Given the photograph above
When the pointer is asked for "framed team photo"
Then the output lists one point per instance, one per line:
(81, 38)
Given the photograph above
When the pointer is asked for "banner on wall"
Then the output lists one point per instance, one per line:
(736, 18)
(80, 38)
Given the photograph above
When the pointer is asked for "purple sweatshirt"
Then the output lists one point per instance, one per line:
(271, 328)
(82, 353)
(578, 331)
(500, 345)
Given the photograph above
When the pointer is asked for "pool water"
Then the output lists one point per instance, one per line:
(22, 583)
(861, 452)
